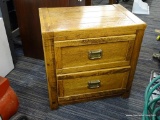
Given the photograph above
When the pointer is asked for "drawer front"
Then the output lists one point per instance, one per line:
(93, 81)
(95, 53)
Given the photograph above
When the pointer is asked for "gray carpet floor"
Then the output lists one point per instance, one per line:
(28, 79)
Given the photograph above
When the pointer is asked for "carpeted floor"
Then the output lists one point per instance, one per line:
(28, 79)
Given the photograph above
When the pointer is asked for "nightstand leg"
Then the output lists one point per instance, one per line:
(126, 94)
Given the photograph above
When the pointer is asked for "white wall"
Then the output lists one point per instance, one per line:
(6, 62)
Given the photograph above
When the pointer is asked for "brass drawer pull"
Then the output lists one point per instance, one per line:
(94, 84)
(95, 54)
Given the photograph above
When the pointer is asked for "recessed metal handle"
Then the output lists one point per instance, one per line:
(94, 84)
(94, 54)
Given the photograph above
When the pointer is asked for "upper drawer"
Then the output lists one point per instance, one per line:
(93, 53)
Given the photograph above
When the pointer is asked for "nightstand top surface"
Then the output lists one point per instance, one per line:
(62, 19)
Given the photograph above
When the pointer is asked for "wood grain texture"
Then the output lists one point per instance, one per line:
(67, 40)
(135, 55)
(92, 67)
(109, 80)
(90, 96)
(78, 56)
(49, 56)
(76, 53)
(92, 19)
(95, 41)
(139, 22)
(58, 57)
(92, 73)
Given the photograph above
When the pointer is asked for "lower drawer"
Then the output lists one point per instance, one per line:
(93, 81)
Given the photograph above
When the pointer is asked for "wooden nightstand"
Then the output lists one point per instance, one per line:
(90, 52)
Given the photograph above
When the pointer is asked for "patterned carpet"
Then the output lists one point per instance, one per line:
(28, 79)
